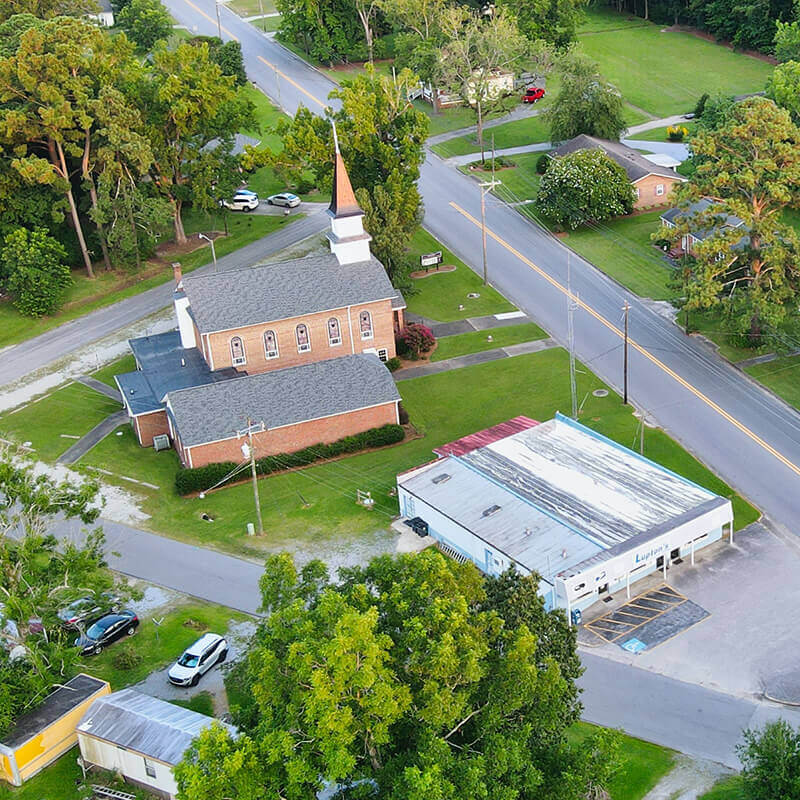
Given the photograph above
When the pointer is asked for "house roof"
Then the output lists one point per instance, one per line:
(165, 367)
(281, 397)
(53, 707)
(258, 295)
(560, 489)
(674, 215)
(633, 162)
(147, 725)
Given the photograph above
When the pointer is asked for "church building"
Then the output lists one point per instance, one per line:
(291, 350)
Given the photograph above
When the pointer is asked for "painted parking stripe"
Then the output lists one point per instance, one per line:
(632, 343)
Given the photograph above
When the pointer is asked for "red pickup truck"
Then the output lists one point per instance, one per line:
(532, 94)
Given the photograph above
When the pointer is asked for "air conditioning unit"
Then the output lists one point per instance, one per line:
(161, 442)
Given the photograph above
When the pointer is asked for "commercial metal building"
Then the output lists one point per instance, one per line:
(586, 514)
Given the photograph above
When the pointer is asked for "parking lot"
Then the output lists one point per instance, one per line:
(749, 638)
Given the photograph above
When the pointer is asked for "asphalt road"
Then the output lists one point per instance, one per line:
(49, 347)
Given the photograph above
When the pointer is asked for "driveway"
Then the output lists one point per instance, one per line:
(751, 592)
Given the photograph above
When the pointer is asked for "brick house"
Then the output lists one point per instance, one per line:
(236, 327)
(717, 223)
(651, 182)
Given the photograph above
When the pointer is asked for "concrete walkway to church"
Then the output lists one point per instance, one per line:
(434, 367)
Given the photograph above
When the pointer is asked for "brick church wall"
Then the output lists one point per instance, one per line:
(149, 425)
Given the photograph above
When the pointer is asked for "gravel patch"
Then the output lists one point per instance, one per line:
(688, 780)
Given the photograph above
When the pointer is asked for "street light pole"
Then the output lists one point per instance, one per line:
(250, 453)
(213, 249)
(219, 24)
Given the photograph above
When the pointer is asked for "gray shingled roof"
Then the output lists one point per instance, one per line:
(283, 397)
(703, 205)
(145, 724)
(633, 162)
(258, 295)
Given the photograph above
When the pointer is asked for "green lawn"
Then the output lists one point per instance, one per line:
(520, 182)
(249, 8)
(438, 296)
(643, 764)
(63, 781)
(267, 116)
(121, 365)
(622, 249)
(476, 341)
(782, 376)
(72, 410)
(267, 24)
(158, 647)
(202, 703)
(660, 134)
(317, 504)
(731, 788)
(665, 73)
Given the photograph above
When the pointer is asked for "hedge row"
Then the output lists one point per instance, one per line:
(200, 479)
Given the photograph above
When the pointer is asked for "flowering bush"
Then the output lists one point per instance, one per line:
(415, 339)
(584, 186)
(677, 133)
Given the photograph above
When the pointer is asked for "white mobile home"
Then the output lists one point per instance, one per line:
(588, 515)
(140, 737)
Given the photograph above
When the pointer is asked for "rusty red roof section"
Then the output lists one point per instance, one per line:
(482, 438)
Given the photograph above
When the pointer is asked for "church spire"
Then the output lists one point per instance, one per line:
(348, 240)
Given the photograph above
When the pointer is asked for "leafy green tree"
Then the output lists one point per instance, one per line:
(420, 17)
(750, 167)
(226, 55)
(584, 186)
(47, 9)
(787, 38)
(475, 51)
(12, 29)
(327, 30)
(38, 576)
(716, 112)
(554, 21)
(146, 22)
(397, 682)
(33, 271)
(586, 103)
(771, 762)
(382, 138)
(784, 88)
(192, 113)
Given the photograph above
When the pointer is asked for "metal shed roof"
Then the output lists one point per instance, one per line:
(147, 725)
(475, 440)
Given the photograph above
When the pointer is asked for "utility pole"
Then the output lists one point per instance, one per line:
(571, 336)
(261, 12)
(485, 187)
(219, 24)
(625, 359)
(250, 452)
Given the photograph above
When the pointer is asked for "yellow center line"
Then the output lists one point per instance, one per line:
(210, 19)
(649, 356)
(294, 83)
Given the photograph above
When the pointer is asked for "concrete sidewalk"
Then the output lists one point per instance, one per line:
(95, 435)
(100, 387)
(435, 367)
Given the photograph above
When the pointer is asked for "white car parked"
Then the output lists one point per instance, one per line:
(285, 199)
(208, 650)
(242, 200)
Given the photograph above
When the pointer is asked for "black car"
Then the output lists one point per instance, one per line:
(89, 609)
(107, 630)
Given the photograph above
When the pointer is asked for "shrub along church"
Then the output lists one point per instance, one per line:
(292, 350)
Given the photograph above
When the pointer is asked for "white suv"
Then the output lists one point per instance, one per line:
(242, 200)
(198, 659)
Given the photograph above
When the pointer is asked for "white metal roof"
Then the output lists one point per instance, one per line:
(572, 489)
(145, 724)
